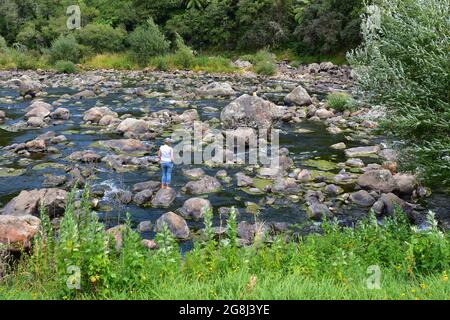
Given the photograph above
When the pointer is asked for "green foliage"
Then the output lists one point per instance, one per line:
(404, 65)
(65, 48)
(147, 41)
(3, 45)
(334, 264)
(184, 56)
(102, 37)
(263, 62)
(340, 101)
(327, 26)
(63, 66)
(110, 61)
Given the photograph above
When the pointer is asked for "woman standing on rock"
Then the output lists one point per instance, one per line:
(165, 155)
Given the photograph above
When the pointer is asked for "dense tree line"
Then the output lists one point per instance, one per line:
(308, 26)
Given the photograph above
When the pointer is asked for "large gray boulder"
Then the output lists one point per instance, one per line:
(17, 232)
(362, 198)
(406, 183)
(164, 198)
(299, 96)
(388, 202)
(195, 208)
(206, 184)
(29, 203)
(27, 86)
(379, 180)
(250, 111)
(95, 114)
(134, 126)
(124, 145)
(176, 224)
(216, 89)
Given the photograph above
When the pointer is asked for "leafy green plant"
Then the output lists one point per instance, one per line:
(63, 66)
(340, 101)
(147, 41)
(65, 48)
(102, 37)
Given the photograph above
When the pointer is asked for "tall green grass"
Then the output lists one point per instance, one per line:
(332, 265)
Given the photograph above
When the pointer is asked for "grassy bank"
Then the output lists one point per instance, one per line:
(337, 264)
(212, 62)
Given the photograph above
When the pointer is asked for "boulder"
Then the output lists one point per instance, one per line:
(60, 114)
(54, 181)
(17, 232)
(36, 145)
(242, 64)
(250, 111)
(124, 145)
(299, 96)
(134, 126)
(206, 184)
(29, 203)
(39, 104)
(194, 208)
(194, 174)
(338, 146)
(85, 94)
(243, 180)
(27, 86)
(324, 113)
(406, 183)
(150, 244)
(143, 197)
(36, 122)
(116, 233)
(362, 198)
(38, 112)
(189, 116)
(176, 224)
(164, 198)
(147, 185)
(387, 203)
(246, 231)
(362, 151)
(304, 176)
(95, 114)
(333, 190)
(144, 226)
(379, 180)
(216, 89)
(86, 156)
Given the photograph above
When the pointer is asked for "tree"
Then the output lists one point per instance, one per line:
(403, 65)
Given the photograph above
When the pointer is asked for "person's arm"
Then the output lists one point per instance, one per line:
(171, 155)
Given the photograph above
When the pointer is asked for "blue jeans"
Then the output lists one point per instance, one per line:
(166, 168)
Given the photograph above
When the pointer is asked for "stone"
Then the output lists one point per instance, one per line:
(107, 120)
(85, 94)
(116, 233)
(194, 208)
(194, 174)
(206, 184)
(246, 231)
(406, 183)
(362, 152)
(54, 181)
(243, 180)
(324, 113)
(17, 232)
(333, 190)
(143, 197)
(36, 122)
(164, 198)
(60, 114)
(144, 226)
(123, 196)
(250, 111)
(95, 114)
(124, 145)
(354, 163)
(29, 202)
(338, 146)
(86, 156)
(147, 185)
(27, 86)
(379, 180)
(304, 176)
(362, 198)
(38, 112)
(388, 154)
(242, 64)
(134, 126)
(285, 185)
(176, 224)
(299, 96)
(150, 244)
(216, 89)
(189, 116)
(386, 206)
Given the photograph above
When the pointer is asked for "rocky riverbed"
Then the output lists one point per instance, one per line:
(104, 128)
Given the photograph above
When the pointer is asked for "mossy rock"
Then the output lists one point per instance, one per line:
(324, 165)
(262, 183)
(49, 165)
(251, 208)
(11, 172)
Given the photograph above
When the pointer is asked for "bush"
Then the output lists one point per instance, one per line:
(184, 56)
(102, 37)
(265, 68)
(263, 62)
(63, 66)
(406, 69)
(3, 45)
(147, 41)
(119, 61)
(340, 101)
(65, 48)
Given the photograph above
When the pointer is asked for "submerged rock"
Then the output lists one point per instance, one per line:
(362, 152)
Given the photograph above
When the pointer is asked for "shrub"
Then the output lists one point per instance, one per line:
(263, 62)
(65, 48)
(184, 56)
(119, 61)
(406, 69)
(102, 37)
(339, 101)
(3, 45)
(63, 66)
(147, 41)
